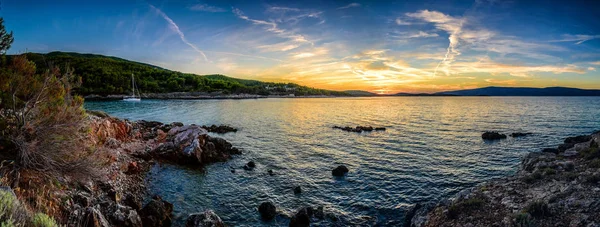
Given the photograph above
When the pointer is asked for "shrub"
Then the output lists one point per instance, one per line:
(523, 219)
(591, 153)
(538, 209)
(43, 220)
(549, 171)
(43, 119)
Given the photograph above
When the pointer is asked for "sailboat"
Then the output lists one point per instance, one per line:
(133, 97)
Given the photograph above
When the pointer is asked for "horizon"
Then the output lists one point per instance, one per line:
(383, 47)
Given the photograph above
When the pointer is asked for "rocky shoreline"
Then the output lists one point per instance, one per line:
(554, 187)
(115, 199)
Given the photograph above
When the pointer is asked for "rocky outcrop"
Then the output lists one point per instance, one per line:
(114, 198)
(220, 129)
(492, 136)
(558, 187)
(302, 217)
(207, 218)
(520, 134)
(360, 128)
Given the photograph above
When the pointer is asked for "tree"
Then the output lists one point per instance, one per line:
(6, 39)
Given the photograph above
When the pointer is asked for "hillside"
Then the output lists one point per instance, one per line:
(360, 93)
(522, 91)
(105, 75)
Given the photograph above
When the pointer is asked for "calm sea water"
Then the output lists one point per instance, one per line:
(431, 150)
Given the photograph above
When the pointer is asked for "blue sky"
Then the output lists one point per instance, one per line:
(380, 46)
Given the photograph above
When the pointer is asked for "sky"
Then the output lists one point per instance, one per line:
(377, 46)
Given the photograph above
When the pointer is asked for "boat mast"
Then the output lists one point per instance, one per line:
(132, 86)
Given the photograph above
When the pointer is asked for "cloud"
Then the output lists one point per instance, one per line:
(486, 65)
(176, 29)
(591, 69)
(207, 8)
(595, 63)
(452, 25)
(351, 5)
(401, 22)
(303, 55)
(412, 35)
(272, 27)
(282, 9)
(578, 39)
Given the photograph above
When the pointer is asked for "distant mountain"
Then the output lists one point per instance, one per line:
(522, 91)
(360, 93)
(106, 75)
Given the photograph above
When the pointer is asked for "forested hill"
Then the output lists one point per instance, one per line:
(104, 75)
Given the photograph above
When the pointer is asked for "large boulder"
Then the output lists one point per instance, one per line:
(157, 212)
(578, 139)
(492, 136)
(340, 171)
(192, 145)
(267, 210)
(207, 218)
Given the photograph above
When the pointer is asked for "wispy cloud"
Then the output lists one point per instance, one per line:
(271, 26)
(207, 8)
(412, 35)
(402, 22)
(452, 25)
(578, 39)
(176, 29)
(282, 9)
(351, 5)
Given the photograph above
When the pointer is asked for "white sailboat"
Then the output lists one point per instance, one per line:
(133, 97)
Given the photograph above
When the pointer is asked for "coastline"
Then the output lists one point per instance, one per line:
(554, 187)
(201, 96)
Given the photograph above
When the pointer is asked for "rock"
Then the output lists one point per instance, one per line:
(157, 212)
(410, 213)
(519, 134)
(219, 129)
(250, 165)
(126, 216)
(320, 213)
(297, 190)
(578, 139)
(267, 210)
(359, 128)
(83, 199)
(550, 150)
(340, 171)
(133, 201)
(565, 146)
(207, 218)
(492, 136)
(177, 124)
(93, 218)
(271, 173)
(112, 143)
(302, 218)
(133, 168)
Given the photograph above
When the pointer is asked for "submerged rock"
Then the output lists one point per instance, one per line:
(297, 190)
(250, 165)
(267, 210)
(492, 136)
(207, 218)
(520, 134)
(340, 171)
(578, 139)
(271, 173)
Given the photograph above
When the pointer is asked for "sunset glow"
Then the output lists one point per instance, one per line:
(379, 47)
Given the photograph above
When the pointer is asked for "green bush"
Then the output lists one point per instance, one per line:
(529, 179)
(523, 219)
(43, 220)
